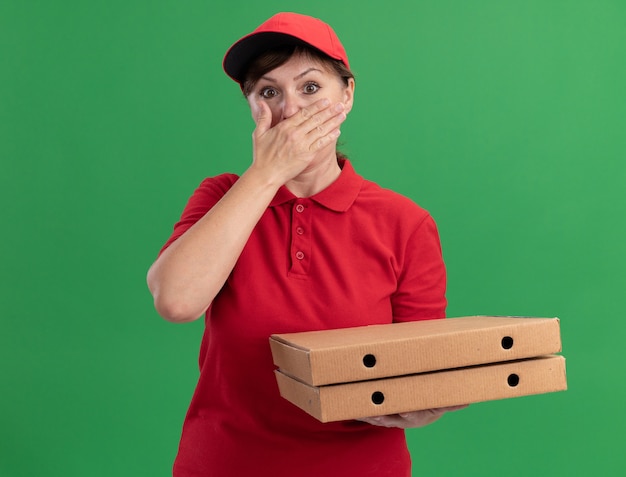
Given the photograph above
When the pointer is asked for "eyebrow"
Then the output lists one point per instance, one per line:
(297, 77)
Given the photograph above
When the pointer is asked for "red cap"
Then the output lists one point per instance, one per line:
(282, 29)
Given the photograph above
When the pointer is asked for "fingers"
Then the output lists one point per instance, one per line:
(323, 127)
(309, 112)
(263, 119)
(392, 420)
(314, 126)
(320, 118)
(327, 120)
(408, 420)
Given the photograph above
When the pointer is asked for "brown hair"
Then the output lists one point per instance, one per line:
(274, 58)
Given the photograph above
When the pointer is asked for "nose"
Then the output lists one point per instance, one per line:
(290, 106)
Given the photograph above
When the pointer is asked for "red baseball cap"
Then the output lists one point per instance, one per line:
(282, 29)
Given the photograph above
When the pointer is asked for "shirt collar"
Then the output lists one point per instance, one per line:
(338, 196)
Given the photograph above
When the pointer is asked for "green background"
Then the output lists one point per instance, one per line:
(504, 118)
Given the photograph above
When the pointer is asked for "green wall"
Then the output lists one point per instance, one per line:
(504, 118)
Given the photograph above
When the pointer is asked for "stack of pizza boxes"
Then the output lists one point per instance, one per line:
(376, 370)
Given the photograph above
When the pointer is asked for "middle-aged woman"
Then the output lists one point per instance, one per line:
(298, 242)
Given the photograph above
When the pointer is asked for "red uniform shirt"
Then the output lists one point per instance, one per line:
(354, 254)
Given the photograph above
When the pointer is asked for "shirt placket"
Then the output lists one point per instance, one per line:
(301, 213)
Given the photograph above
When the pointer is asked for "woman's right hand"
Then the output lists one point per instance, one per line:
(286, 149)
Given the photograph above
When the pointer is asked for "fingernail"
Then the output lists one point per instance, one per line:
(325, 102)
(339, 107)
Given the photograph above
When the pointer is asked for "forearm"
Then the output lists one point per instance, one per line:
(186, 277)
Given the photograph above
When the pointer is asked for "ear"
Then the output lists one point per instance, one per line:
(348, 95)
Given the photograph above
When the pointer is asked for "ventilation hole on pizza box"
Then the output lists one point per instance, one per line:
(507, 342)
(513, 380)
(369, 360)
(378, 397)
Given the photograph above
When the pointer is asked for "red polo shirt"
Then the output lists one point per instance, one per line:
(353, 254)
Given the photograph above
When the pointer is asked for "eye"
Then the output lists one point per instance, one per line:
(311, 88)
(268, 92)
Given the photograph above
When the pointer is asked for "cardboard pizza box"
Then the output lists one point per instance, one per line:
(371, 352)
(356, 400)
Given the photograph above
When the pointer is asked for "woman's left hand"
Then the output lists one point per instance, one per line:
(409, 420)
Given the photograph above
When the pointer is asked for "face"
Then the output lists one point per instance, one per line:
(299, 82)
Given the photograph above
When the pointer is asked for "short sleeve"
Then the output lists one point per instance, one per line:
(421, 292)
(208, 193)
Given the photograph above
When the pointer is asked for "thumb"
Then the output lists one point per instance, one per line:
(263, 118)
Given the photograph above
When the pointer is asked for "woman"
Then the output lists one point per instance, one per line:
(298, 242)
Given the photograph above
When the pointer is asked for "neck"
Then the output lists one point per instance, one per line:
(315, 178)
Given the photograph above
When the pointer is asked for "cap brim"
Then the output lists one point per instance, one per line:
(241, 54)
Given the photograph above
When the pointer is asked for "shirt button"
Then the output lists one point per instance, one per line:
(299, 230)
(299, 255)
(299, 208)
